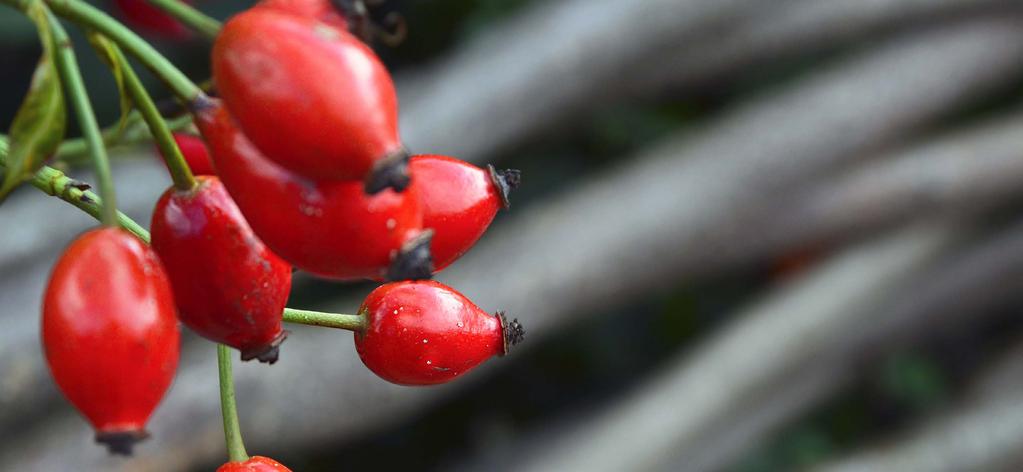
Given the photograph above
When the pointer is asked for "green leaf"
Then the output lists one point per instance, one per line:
(108, 52)
(39, 125)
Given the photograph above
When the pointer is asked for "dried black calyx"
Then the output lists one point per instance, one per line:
(512, 331)
(121, 443)
(267, 353)
(389, 172)
(414, 261)
(505, 181)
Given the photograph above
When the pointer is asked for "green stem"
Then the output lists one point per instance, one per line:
(329, 320)
(135, 131)
(89, 16)
(55, 183)
(180, 173)
(191, 17)
(232, 430)
(71, 76)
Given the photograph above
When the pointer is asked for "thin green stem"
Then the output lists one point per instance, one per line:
(89, 16)
(54, 182)
(71, 76)
(135, 131)
(329, 320)
(232, 430)
(191, 17)
(180, 173)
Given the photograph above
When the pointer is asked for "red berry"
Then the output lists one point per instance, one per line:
(195, 152)
(331, 229)
(312, 98)
(141, 15)
(110, 334)
(254, 464)
(425, 333)
(228, 286)
(322, 10)
(459, 202)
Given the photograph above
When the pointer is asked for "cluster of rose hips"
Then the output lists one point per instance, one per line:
(304, 170)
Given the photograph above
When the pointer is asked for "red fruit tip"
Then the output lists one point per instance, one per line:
(267, 353)
(121, 443)
(505, 181)
(414, 261)
(389, 172)
(513, 332)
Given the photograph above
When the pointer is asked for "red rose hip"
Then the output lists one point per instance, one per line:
(284, 75)
(110, 334)
(254, 464)
(425, 333)
(331, 229)
(228, 286)
(195, 153)
(459, 202)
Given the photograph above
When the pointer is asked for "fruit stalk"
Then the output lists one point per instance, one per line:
(189, 16)
(55, 183)
(71, 77)
(232, 430)
(329, 320)
(180, 173)
(91, 17)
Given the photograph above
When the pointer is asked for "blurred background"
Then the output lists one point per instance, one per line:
(752, 236)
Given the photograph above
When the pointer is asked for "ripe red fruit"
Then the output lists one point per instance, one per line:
(195, 153)
(141, 15)
(459, 202)
(228, 286)
(284, 75)
(322, 10)
(425, 333)
(110, 334)
(331, 229)
(254, 464)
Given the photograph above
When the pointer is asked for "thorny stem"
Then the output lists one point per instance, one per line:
(330, 320)
(180, 173)
(70, 75)
(228, 408)
(191, 17)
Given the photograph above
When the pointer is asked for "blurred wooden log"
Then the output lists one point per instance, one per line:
(689, 406)
(786, 30)
(983, 433)
(664, 217)
(546, 66)
(790, 351)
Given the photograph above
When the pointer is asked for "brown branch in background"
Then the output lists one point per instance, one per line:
(619, 236)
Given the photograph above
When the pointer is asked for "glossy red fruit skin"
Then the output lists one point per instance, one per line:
(425, 333)
(228, 286)
(110, 333)
(196, 154)
(459, 203)
(284, 75)
(322, 10)
(143, 16)
(330, 229)
(254, 464)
